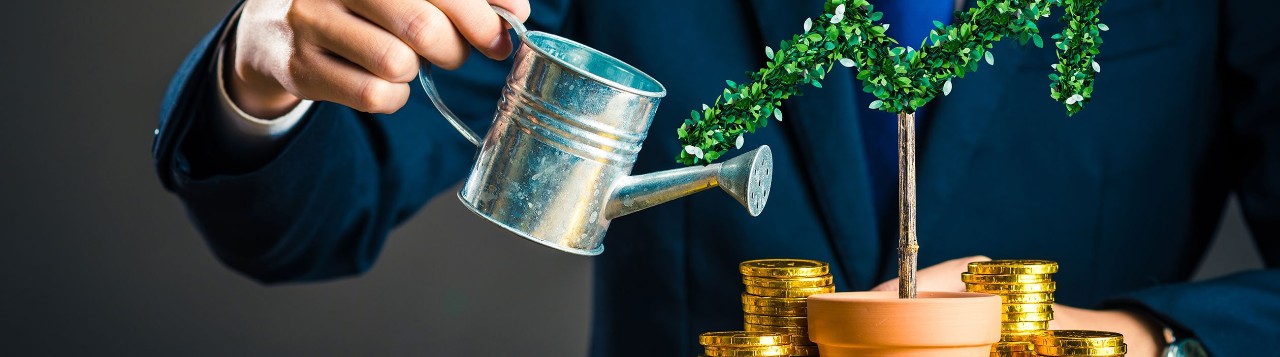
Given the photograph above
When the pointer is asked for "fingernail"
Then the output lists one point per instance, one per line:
(500, 44)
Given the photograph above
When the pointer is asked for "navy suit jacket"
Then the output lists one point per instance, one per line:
(1125, 195)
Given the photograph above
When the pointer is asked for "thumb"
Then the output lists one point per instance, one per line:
(944, 276)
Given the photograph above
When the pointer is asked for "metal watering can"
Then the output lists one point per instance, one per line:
(555, 165)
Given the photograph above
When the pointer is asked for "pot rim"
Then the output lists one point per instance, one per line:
(879, 319)
(923, 297)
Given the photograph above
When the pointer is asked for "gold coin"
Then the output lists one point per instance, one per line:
(799, 335)
(802, 340)
(1082, 351)
(1013, 354)
(790, 303)
(1014, 266)
(1021, 326)
(1011, 347)
(1078, 338)
(1021, 336)
(743, 338)
(804, 350)
(1026, 317)
(757, 351)
(1024, 308)
(1029, 298)
(790, 293)
(784, 268)
(1012, 288)
(775, 311)
(776, 320)
(1004, 278)
(787, 283)
(795, 330)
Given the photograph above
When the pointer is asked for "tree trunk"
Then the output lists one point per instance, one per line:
(907, 247)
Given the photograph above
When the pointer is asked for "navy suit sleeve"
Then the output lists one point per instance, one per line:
(322, 205)
(1231, 315)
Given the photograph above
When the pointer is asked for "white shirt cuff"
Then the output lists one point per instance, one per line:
(239, 126)
(241, 123)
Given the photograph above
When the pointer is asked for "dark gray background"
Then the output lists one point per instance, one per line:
(98, 259)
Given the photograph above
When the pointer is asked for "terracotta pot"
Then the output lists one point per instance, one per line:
(878, 323)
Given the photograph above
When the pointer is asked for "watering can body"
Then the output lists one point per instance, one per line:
(555, 166)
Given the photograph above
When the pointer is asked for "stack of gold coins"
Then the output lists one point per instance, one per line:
(1012, 349)
(1026, 289)
(1079, 343)
(775, 300)
(745, 344)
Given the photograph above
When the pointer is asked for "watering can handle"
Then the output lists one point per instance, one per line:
(429, 85)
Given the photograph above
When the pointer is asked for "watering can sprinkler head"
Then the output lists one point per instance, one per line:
(747, 178)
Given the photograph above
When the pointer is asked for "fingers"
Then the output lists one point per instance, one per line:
(320, 76)
(362, 53)
(421, 25)
(365, 44)
(477, 22)
(1063, 317)
(518, 7)
(944, 276)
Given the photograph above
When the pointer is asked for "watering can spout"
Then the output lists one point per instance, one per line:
(747, 178)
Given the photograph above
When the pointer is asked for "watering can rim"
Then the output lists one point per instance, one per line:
(524, 40)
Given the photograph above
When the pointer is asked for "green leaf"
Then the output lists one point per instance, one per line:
(917, 102)
(901, 79)
(713, 155)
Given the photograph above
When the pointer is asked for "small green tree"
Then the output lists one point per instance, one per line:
(902, 79)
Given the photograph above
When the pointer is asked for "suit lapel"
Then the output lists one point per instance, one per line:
(824, 129)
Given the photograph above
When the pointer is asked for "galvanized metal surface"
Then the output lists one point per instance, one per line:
(555, 166)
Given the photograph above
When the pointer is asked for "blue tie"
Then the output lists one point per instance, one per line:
(910, 22)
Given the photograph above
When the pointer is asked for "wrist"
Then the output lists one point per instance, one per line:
(253, 91)
(1146, 331)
